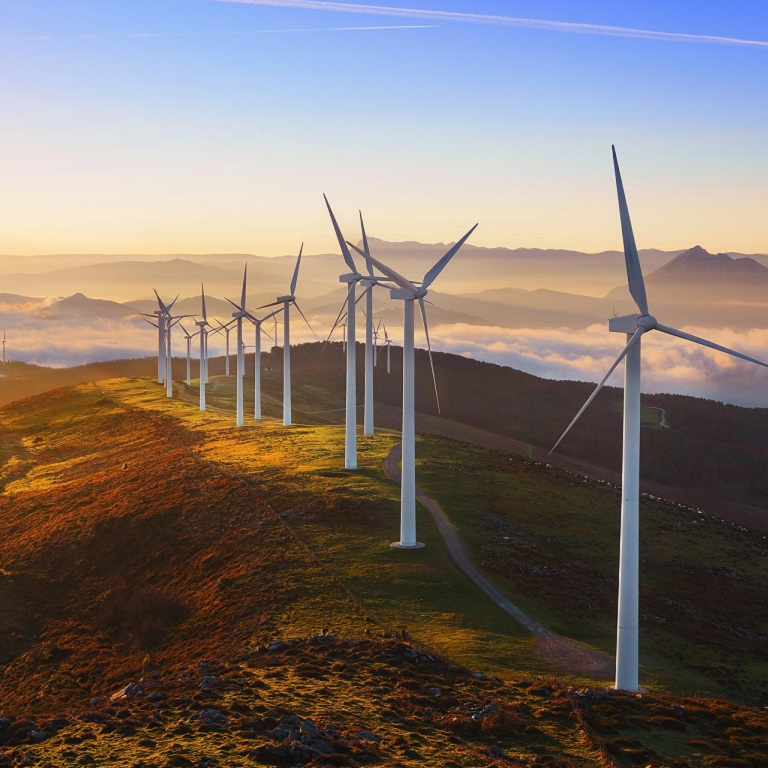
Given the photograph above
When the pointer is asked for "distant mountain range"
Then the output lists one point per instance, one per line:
(694, 287)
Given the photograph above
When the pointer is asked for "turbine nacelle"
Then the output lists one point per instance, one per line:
(630, 323)
(285, 299)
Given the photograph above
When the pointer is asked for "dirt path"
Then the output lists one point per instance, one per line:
(558, 651)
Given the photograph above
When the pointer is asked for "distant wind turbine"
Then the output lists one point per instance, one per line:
(3, 346)
(409, 293)
(286, 301)
(239, 315)
(189, 338)
(388, 343)
(634, 326)
(202, 325)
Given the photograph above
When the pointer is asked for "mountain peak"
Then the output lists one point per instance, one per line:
(698, 265)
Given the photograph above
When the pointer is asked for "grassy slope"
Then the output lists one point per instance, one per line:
(136, 542)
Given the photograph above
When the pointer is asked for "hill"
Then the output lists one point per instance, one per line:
(178, 592)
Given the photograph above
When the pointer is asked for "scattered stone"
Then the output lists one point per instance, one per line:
(211, 682)
(131, 691)
(366, 736)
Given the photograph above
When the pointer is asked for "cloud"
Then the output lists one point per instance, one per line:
(669, 365)
(503, 21)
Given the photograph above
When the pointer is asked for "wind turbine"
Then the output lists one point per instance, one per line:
(351, 279)
(388, 344)
(202, 324)
(376, 343)
(189, 338)
(3, 346)
(409, 293)
(286, 301)
(257, 360)
(239, 315)
(634, 326)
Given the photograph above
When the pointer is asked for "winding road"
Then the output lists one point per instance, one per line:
(558, 651)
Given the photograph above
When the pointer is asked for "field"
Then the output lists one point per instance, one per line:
(239, 582)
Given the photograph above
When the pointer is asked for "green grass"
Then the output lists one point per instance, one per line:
(551, 540)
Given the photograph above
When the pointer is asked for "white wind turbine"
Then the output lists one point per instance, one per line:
(351, 279)
(286, 301)
(408, 292)
(239, 315)
(388, 344)
(257, 359)
(202, 325)
(634, 326)
(349, 342)
(3, 346)
(376, 343)
(189, 338)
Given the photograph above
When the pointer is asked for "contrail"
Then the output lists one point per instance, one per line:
(502, 21)
(277, 31)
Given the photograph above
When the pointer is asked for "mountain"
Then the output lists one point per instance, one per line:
(698, 266)
(80, 306)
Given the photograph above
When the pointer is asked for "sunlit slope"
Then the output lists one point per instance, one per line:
(145, 543)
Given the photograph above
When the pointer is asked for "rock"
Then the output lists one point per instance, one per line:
(154, 697)
(308, 731)
(131, 691)
(211, 682)
(496, 752)
(36, 735)
(276, 645)
(366, 736)
(210, 717)
(433, 691)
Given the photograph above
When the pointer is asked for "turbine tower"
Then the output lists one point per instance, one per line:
(408, 293)
(634, 326)
(4, 347)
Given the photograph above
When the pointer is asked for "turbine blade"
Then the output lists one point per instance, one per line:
(362, 296)
(170, 306)
(710, 344)
(273, 304)
(295, 272)
(186, 333)
(154, 325)
(160, 301)
(388, 271)
(342, 243)
(429, 348)
(306, 321)
(236, 306)
(634, 272)
(245, 277)
(202, 290)
(338, 317)
(442, 263)
(366, 247)
(631, 343)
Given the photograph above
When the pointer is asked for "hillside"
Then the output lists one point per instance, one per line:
(178, 592)
(711, 455)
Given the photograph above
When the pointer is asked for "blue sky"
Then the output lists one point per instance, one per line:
(202, 126)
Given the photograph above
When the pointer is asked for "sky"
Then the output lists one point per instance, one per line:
(214, 126)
